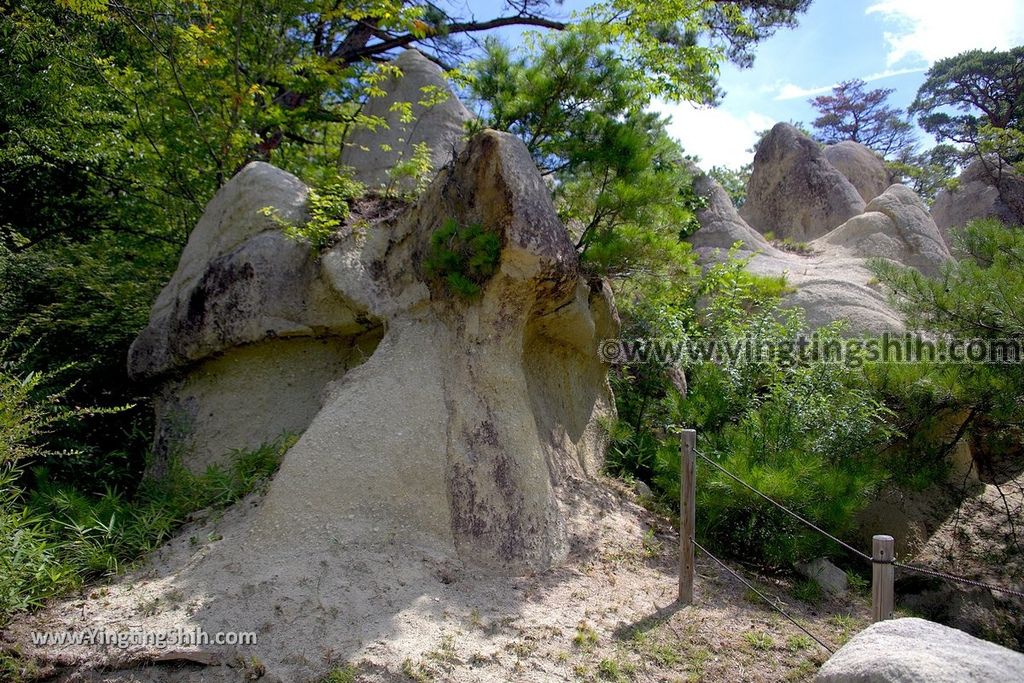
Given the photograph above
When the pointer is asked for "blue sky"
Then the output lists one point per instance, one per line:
(889, 43)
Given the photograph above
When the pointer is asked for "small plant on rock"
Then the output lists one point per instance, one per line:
(463, 257)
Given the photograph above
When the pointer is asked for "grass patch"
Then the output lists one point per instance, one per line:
(759, 640)
(585, 637)
(808, 591)
(57, 538)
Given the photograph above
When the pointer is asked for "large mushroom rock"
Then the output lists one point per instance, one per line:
(984, 190)
(793, 191)
(462, 451)
(471, 415)
(466, 419)
(418, 108)
(248, 332)
(861, 166)
(895, 225)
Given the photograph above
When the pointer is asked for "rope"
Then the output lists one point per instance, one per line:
(958, 579)
(764, 597)
(909, 567)
(784, 508)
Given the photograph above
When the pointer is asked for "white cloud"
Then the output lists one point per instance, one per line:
(790, 91)
(928, 30)
(717, 136)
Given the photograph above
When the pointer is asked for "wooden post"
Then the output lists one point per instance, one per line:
(882, 556)
(687, 513)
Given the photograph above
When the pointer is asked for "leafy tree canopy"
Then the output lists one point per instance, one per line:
(852, 113)
(986, 87)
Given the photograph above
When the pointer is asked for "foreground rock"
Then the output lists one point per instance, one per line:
(793, 191)
(982, 191)
(462, 451)
(248, 332)
(861, 166)
(418, 108)
(919, 651)
(427, 413)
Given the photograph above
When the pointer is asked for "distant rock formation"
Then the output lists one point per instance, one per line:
(915, 650)
(982, 191)
(861, 166)
(896, 226)
(435, 118)
(793, 191)
(832, 282)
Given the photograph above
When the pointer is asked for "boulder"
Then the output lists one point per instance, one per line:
(456, 419)
(247, 322)
(721, 225)
(895, 225)
(982, 191)
(831, 578)
(793, 191)
(861, 166)
(435, 118)
(501, 396)
(919, 651)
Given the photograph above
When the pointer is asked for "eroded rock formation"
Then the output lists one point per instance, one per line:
(794, 192)
(248, 332)
(832, 280)
(982, 191)
(421, 412)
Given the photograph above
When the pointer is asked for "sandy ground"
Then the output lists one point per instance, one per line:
(379, 614)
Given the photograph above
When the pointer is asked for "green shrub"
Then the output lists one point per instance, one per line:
(329, 206)
(463, 257)
(807, 433)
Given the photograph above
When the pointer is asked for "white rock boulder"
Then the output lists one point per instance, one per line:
(861, 166)
(418, 108)
(248, 332)
(920, 651)
(793, 191)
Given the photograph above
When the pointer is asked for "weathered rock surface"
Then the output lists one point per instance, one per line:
(983, 191)
(721, 226)
(467, 417)
(895, 225)
(794, 192)
(241, 283)
(861, 166)
(828, 576)
(919, 651)
(437, 120)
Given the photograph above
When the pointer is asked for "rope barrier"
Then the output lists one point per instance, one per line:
(764, 597)
(812, 525)
(784, 508)
(958, 579)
